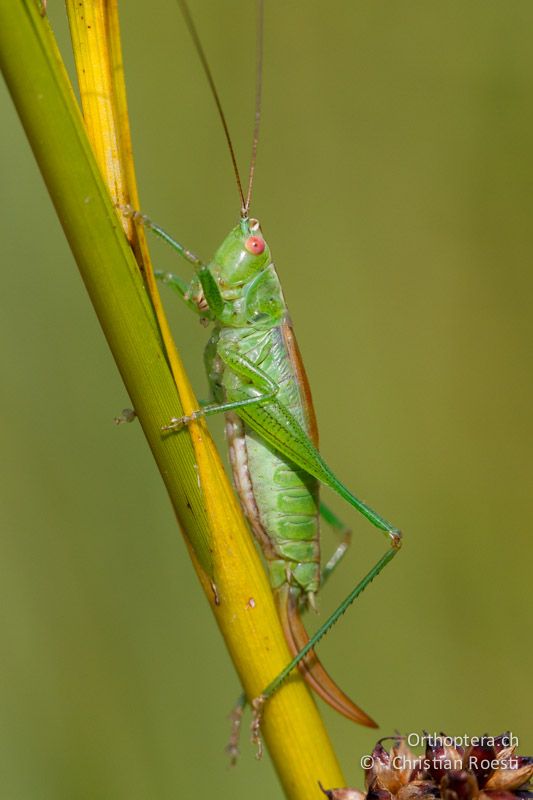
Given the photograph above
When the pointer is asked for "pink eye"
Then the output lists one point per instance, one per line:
(255, 245)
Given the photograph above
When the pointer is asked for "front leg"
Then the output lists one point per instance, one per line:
(184, 252)
(203, 294)
(184, 290)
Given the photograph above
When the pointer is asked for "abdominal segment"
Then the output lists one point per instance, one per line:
(281, 503)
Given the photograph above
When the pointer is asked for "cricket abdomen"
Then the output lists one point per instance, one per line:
(280, 500)
(287, 503)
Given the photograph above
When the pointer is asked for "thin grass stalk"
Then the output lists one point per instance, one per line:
(204, 502)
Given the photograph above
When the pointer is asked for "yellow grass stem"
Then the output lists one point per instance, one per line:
(218, 539)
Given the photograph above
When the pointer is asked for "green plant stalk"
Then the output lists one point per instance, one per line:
(44, 99)
(50, 116)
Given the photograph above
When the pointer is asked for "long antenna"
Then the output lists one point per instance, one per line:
(258, 95)
(245, 204)
(200, 50)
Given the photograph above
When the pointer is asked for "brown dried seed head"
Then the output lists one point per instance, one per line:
(459, 785)
(496, 796)
(405, 762)
(418, 790)
(488, 770)
(512, 774)
(441, 759)
(342, 794)
(481, 760)
(382, 774)
(503, 742)
(378, 794)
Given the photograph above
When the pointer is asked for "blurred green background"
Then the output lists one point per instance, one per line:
(394, 184)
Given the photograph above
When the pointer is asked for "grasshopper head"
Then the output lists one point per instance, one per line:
(242, 254)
